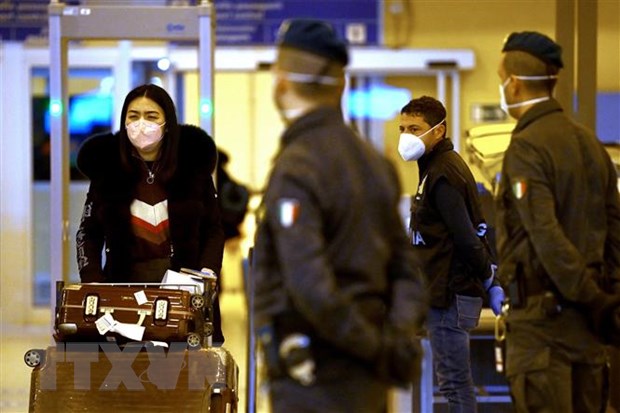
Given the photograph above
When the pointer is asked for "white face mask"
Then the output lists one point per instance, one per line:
(502, 95)
(292, 114)
(411, 147)
(144, 134)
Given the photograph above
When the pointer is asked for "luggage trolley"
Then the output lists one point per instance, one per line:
(200, 377)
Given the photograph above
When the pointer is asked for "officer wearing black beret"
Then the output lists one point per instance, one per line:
(338, 301)
(558, 233)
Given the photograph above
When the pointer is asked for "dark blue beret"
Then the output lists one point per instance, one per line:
(313, 36)
(536, 44)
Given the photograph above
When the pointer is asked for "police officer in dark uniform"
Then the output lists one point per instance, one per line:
(558, 230)
(448, 232)
(338, 301)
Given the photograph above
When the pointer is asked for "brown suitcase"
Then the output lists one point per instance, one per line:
(106, 377)
(167, 315)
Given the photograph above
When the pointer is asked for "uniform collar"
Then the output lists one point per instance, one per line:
(442, 146)
(537, 111)
(315, 118)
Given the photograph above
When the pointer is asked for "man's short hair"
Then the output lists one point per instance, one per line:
(426, 107)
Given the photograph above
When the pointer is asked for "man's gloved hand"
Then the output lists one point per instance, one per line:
(489, 281)
(494, 291)
(399, 358)
(496, 299)
(296, 354)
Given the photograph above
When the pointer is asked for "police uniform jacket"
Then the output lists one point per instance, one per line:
(558, 207)
(449, 268)
(196, 234)
(331, 246)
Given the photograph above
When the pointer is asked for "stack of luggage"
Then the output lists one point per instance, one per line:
(135, 347)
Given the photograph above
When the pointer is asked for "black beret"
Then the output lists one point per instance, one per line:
(536, 44)
(314, 36)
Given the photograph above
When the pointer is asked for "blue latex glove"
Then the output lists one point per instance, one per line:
(487, 283)
(496, 298)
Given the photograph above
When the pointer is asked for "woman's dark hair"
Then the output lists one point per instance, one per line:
(166, 163)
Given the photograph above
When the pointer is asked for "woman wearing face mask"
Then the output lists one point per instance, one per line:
(448, 233)
(151, 204)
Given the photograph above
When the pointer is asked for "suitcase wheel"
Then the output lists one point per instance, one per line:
(193, 340)
(197, 301)
(34, 357)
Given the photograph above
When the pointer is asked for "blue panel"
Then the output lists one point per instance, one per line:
(238, 22)
(251, 22)
(381, 102)
(20, 19)
(608, 117)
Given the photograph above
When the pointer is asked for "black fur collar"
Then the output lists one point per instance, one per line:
(100, 154)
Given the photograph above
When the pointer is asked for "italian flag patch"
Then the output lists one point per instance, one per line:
(288, 211)
(519, 187)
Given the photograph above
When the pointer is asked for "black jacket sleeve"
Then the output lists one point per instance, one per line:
(89, 244)
(467, 245)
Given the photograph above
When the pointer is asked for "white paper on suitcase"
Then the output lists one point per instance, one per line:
(107, 323)
(183, 281)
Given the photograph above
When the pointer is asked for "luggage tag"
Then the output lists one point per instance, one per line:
(105, 323)
(141, 297)
(131, 331)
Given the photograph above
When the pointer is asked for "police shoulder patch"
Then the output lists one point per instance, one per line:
(288, 211)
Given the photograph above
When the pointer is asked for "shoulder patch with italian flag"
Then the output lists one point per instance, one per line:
(288, 211)
(519, 187)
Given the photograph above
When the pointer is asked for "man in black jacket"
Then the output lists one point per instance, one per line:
(448, 233)
(558, 229)
(338, 301)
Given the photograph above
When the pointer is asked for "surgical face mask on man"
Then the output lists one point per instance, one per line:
(502, 94)
(144, 134)
(411, 147)
(289, 114)
(280, 97)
